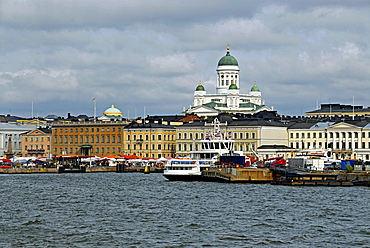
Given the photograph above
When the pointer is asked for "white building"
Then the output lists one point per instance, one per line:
(227, 98)
(15, 132)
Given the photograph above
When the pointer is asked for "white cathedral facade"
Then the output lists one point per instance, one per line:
(227, 98)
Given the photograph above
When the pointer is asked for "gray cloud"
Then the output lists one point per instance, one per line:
(61, 54)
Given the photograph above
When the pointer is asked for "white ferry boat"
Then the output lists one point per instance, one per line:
(211, 148)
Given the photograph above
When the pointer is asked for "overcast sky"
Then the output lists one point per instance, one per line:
(148, 56)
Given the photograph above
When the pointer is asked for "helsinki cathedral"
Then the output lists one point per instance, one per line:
(227, 98)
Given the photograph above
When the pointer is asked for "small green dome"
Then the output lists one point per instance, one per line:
(228, 59)
(233, 87)
(255, 88)
(200, 87)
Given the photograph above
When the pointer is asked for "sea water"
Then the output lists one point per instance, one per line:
(147, 210)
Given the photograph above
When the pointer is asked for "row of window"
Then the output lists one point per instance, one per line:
(331, 135)
(36, 147)
(235, 135)
(90, 139)
(92, 129)
(36, 139)
(146, 146)
(98, 150)
(145, 137)
(239, 147)
(338, 145)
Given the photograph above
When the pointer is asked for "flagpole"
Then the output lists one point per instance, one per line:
(94, 100)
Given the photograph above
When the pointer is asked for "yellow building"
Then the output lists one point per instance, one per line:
(149, 140)
(100, 138)
(37, 143)
(344, 139)
(249, 136)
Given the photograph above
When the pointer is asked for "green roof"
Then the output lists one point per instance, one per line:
(200, 87)
(233, 87)
(228, 60)
(255, 88)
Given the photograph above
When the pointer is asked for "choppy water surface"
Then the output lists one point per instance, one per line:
(138, 210)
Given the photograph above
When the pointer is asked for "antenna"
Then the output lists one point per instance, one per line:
(144, 114)
(353, 108)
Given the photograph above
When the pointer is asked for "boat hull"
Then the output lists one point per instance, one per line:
(184, 177)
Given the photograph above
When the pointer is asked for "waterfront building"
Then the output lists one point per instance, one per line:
(228, 98)
(13, 133)
(90, 138)
(340, 110)
(37, 143)
(252, 136)
(87, 138)
(149, 139)
(346, 139)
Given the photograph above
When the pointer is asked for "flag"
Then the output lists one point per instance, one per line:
(208, 135)
(229, 135)
(218, 134)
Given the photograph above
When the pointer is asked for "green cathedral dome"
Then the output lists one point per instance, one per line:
(255, 88)
(200, 87)
(233, 87)
(228, 59)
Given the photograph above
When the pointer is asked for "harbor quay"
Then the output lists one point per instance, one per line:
(226, 175)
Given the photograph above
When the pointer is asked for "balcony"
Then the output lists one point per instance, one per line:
(35, 150)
